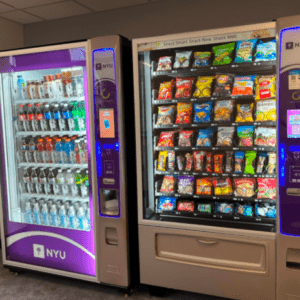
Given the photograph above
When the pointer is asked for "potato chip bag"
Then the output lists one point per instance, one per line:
(244, 209)
(185, 138)
(271, 167)
(266, 111)
(218, 163)
(223, 110)
(198, 160)
(162, 159)
(223, 85)
(166, 139)
(244, 51)
(202, 112)
(222, 186)
(245, 134)
(165, 90)
(244, 113)
(243, 85)
(265, 136)
(266, 210)
(265, 87)
(224, 208)
(164, 63)
(244, 187)
(182, 59)
(265, 51)
(225, 136)
(165, 115)
(202, 59)
(204, 186)
(183, 87)
(205, 137)
(184, 113)
(185, 205)
(203, 86)
(266, 188)
(223, 54)
(168, 184)
(186, 184)
(166, 203)
(188, 162)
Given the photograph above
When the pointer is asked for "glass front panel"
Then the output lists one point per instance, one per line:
(208, 130)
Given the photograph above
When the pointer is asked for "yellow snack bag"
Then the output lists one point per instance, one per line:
(266, 111)
(265, 87)
(203, 86)
(244, 112)
(162, 159)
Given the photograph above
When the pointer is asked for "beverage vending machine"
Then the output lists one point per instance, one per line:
(206, 136)
(64, 204)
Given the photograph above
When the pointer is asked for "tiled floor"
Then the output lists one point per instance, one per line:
(35, 286)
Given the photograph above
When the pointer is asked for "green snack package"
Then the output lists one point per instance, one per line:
(250, 162)
(223, 54)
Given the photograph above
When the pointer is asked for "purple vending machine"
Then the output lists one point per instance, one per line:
(64, 206)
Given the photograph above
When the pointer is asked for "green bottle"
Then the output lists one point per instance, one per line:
(78, 178)
(75, 115)
(81, 116)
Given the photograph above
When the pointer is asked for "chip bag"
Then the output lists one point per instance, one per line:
(266, 210)
(168, 184)
(188, 162)
(222, 186)
(204, 208)
(223, 110)
(225, 136)
(186, 184)
(218, 163)
(166, 139)
(244, 187)
(180, 161)
(166, 203)
(250, 162)
(184, 113)
(185, 205)
(243, 85)
(171, 160)
(265, 136)
(265, 51)
(271, 167)
(185, 138)
(229, 161)
(165, 115)
(244, 209)
(244, 51)
(223, 54)
(245, 134)
(244, 113)
(165, 90)
(224, 208)
(198, 160)
(266, 188)
(182, 59)
(202, 112)
(261, 162)
(162, 159)
(266, 111)
(201, 59)
(205, 137)
(239, 162)
(183, 87)
(164, 63)
(223, 85)
(204, 186)
(265, 87)
(208, 163)
(203, 86)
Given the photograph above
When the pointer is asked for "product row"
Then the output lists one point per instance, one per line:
(238, 162)
(260, 188)
(227, 85)
(222, 55)
(169, 204)
(57, 150)
(217, 111)
(55, 182)
(59, 213)
(68, 83)
(56, 117)
(242, 136)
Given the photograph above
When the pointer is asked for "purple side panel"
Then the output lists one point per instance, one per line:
(66, 256)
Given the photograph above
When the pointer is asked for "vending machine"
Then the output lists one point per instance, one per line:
(288, 233)
(64, 185)
(206, 139)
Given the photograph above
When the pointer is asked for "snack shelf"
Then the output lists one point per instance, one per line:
(50, 133)
(69, 166)
(47, 100)
(232, 68)
(231, 148)
(57, 197)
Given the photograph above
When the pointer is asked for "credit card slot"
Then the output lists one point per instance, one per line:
(293, 192)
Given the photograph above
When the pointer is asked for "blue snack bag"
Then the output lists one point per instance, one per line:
(244, 209)
(166, 203)
(244, 51)
(205, 137)
(202, 112)
(239, 162)
(224, 208)
(266, 210)
(265, 51)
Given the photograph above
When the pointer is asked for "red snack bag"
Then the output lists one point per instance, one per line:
(208, 165)
(185, 205)
(198, 160)
(188, 162)
(168, 184)
(266, 188)
(218, 165)
(185, 138)
(204, 186)
(166, 139)
(183, 87)
(165, 90)
(184, 113)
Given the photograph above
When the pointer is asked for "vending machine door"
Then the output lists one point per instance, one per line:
(46, 161)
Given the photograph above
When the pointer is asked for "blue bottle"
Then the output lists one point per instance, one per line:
(59, 148)
(21, 87)
(68, 147)
(28, 213)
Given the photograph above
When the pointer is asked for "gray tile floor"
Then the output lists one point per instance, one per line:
(34, 286)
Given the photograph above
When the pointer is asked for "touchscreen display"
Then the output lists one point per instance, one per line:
(107, 123)
(293, 123)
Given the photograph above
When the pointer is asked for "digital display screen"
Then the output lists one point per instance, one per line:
(107, 123)
(293, 123)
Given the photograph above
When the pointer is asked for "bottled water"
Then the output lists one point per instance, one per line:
(60, 181)
(54, 215)
(72, 215)
(82, 219)
(36, 213)
(63, 216)
(45, 214)
(28, 213)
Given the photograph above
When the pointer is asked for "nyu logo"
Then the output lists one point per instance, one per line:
(291, 45)
(39, 252)
(104, 66)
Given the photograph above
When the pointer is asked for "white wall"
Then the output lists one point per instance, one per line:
(158, 18)
(11, 35)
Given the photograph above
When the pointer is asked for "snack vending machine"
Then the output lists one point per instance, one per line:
(64, 205)
(206, 136)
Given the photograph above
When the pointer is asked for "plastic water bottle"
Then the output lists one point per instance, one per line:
(28, 214)
(63, 216)
(71, 216)
(70, 180)
(60, 181)
(36, 213)
(45, 214)
(82, 219)
(86, 219)
(21, 87)
(54, 215)
(78, 150)
(84, 188)
(77, 205)
(50, 182)
(32, 203)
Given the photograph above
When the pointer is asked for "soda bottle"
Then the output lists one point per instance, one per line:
(29, 155)
(59, 149)
(81, 116)
(49, 150)
(78, 151)
(21, 87)
(62, 122)
(45, 123)
(30, 117)
(50, 182)
(41, 149)
(22, 116)
(75, 115)
(52, 121)
(24, 148)
(26, 179)
(68, 148)
(33, 181)
(39, 116)
(66, 115)
(42, 182)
